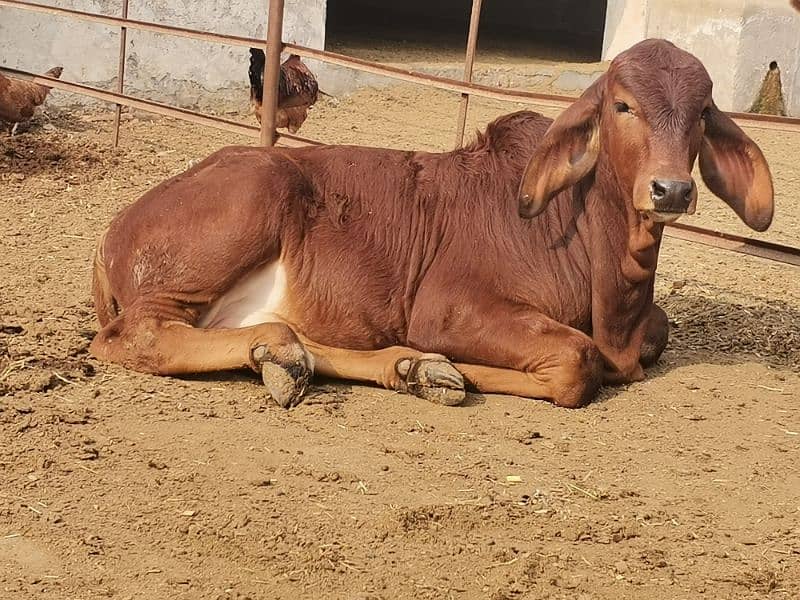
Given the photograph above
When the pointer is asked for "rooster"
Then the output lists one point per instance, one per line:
(19, 99)
(297, 90)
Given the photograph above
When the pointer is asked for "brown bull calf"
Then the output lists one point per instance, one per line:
(353, 262)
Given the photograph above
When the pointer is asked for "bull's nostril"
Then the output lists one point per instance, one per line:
(657, 191)
(671, 195)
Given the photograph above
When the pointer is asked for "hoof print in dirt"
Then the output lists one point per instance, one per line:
(433, 378)
(285, 380)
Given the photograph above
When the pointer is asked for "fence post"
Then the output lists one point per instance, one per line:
(472, 44)
(272, 69)
(123, 39)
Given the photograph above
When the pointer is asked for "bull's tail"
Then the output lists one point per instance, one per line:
(105, 305)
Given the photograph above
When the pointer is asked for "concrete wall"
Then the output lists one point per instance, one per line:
(174, 70)
(626, 24)
(771, 31)
(735, 39)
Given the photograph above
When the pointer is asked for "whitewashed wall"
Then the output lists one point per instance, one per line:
(735, 39)
(178, 71)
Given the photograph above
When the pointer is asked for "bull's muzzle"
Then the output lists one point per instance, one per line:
(672, 196)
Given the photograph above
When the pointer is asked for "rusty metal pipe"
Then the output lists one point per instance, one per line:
(735, 243)
(272, 70)
(788, 124)
(469, 61)
(753, 246)
(123, 40)
(166, 110)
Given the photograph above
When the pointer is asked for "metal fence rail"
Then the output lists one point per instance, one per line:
(151, 106)
(267, 134)
(788, 124)
(735, 243)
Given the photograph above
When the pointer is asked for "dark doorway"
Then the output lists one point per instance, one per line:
(407, 30)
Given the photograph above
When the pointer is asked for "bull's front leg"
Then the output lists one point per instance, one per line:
(510, 349)
(656, 336)
(628, 351)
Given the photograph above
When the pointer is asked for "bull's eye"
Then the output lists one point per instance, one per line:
(704, 114)
(621, 107)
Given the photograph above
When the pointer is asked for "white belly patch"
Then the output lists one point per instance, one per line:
(258, 298)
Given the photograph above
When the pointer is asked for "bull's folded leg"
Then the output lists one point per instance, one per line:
(494, 380)
(562, 386)
(151, 345)
(428, 376)
(515, 351)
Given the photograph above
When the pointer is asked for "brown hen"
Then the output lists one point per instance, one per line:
(297, 90)
(19, 99)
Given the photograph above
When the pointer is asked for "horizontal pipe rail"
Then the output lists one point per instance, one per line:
(321, 55)
(751, 246)
(736, 243)
(205, 36)
(154, 107)
(788, 124)
(442, 83)
(772, 122)
(717, 239)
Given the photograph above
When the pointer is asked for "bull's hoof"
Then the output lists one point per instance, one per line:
(285, 381)
(432, 377)
(284, 389)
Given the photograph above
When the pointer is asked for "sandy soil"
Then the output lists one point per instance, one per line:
(120, 485)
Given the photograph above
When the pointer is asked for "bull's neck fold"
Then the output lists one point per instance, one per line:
(624, 257)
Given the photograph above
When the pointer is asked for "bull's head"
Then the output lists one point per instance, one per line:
(645, 122)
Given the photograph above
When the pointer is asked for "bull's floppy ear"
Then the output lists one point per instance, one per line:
(566, 154)
(735, 170)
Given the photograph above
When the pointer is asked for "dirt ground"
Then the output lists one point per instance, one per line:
(120, 485)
